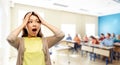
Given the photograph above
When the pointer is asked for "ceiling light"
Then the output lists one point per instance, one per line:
(85, 10)
(62, 5)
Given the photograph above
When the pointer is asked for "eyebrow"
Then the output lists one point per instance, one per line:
(37, 19)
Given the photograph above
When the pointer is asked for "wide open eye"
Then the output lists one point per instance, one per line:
(29, 21)
(38, 21)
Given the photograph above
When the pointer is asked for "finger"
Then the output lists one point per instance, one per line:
(37, 14)
(28, 15)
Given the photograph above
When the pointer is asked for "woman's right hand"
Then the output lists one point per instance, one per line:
(26, 19)
(17, 31)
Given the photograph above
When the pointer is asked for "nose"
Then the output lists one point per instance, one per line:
(34, 24)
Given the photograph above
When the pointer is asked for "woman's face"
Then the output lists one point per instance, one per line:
(33, 26)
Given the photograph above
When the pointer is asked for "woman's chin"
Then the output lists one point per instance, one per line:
(32, 35)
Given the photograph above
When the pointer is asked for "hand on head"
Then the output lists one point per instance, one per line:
(26, 18)
(42, 21)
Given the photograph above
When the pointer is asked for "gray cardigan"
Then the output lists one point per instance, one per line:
(48, 42)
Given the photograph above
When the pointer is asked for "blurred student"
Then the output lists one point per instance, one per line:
(117, 48)
(77, 42)
(102, 37)
(113, 36)
(94, 40)
(117, 40)
(68, 37)
(85, 39)
(108, 41)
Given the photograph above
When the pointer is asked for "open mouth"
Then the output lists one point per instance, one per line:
(34, 30)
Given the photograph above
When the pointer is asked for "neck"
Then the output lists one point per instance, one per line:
(31, 36)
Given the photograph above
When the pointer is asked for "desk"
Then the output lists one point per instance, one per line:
(87, 48)
(117, 47)
(117, 50)
(117, 44)
(98, 49)
(102, 51)
(70, 43)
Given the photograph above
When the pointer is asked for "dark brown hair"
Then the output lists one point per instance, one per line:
(97, 42)
(102, 34)
(25, 32)
(92, 37)
(108, 34)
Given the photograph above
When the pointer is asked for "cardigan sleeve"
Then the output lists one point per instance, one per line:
(52, 40)
(13, 40)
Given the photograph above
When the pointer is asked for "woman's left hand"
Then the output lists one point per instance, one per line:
(41, 19)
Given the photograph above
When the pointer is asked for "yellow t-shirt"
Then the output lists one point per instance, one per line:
(33, 54)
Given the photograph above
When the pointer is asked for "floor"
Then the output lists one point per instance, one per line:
(68, 57)
(63, 56)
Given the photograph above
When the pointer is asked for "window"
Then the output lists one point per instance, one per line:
(90, 29)
(68, 29)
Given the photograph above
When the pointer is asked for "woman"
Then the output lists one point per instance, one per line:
(94, 40)
(32, 46)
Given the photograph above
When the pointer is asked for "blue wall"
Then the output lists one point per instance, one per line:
(109, 23)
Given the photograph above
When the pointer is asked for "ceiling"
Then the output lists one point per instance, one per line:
(90, 7)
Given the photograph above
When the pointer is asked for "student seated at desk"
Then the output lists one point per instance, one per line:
(94, 40)
(117, 48)
(102, 37)
(85, 39)
(69, 37)
(77, 42)
(117, 40)
(108, 41)
(113, 36)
